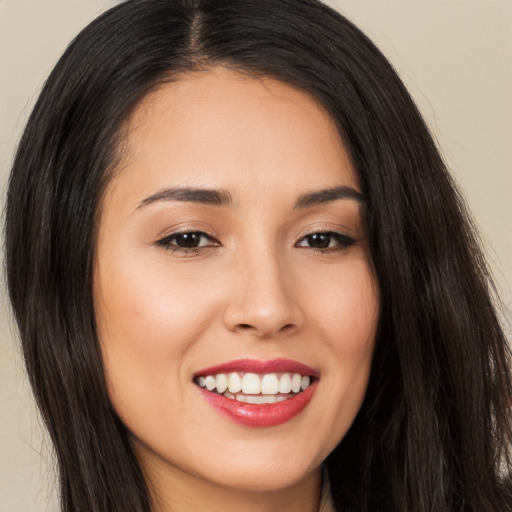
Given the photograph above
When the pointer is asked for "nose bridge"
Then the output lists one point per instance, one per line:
(264, 302)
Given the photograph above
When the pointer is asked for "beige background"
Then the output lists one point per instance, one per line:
(456, 59)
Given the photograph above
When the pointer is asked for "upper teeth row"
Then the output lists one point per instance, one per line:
(254, 384)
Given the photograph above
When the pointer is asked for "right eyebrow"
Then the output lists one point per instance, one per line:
(215, 197)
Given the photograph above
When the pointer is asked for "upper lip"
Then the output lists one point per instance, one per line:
(260, 367)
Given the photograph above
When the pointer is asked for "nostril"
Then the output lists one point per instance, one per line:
(244, 327)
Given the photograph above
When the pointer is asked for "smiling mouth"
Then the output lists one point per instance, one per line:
(256, 393)
(254, 388)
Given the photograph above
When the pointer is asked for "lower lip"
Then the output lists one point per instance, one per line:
(260, 415)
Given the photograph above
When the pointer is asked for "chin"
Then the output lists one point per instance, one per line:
(264, 465)
(265, 476)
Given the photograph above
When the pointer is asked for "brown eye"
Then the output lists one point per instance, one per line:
(192, 241)
(325, 241)
(319, 240)
(188, 240)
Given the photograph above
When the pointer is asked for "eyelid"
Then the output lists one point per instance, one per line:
(324, 225)
(188, 227)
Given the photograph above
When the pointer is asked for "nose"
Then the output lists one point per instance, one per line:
(262, 299)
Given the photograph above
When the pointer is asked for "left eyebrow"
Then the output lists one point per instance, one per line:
(327, 195)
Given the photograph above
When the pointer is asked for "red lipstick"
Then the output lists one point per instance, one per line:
(257, 366)
(262, 415)
(266, 414)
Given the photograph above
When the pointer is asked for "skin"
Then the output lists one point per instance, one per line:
(255, 288)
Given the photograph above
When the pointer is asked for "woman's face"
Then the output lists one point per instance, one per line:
(232, 252)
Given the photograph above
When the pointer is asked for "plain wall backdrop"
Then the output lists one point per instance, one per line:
(455, 57)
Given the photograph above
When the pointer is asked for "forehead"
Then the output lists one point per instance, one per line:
(222, 129)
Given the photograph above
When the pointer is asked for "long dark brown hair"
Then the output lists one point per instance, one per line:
(435, 431)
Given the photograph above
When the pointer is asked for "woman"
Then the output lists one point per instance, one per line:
(221, 204)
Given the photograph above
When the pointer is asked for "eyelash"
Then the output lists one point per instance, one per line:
(169, 242)
(343, 241)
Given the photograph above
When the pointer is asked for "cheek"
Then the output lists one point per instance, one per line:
(146, 308)
(147, 323)
(345, 306)
(353, 340)
(347, 315)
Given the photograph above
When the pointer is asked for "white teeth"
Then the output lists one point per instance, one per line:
(285, 383)
(270, 384)
(227, 394)
(234, 383)
(260, 399)
(251, 384)
(222, 383)
(211, 382)
(296, 381)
